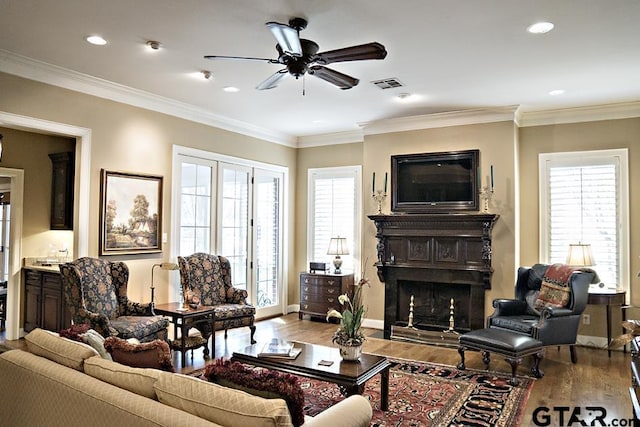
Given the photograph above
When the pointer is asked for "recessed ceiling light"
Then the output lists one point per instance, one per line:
(540, 27)
(231, 89)
(556, 92)
(96, 40)
(153, 45)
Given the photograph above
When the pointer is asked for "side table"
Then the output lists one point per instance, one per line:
(185, 319)
(616, 298)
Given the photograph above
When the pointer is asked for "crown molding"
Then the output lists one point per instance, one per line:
(438, 120)
(43, 72)
(347, 137)
(591, 113)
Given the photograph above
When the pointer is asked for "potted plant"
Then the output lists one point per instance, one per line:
(349, 336)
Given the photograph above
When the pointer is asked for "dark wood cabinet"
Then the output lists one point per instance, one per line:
(319, 292)
(44, 302)
(62, 190)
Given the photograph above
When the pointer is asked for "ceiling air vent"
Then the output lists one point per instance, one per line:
(388, 83)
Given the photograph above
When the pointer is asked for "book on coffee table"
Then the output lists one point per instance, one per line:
(291, 356)
(276, 348)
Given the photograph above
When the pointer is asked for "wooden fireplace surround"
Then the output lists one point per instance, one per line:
(440, 248)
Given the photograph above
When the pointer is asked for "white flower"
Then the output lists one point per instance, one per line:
(334, 313)
(343, 299)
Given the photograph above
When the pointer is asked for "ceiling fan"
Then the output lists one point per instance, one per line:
(300, 56)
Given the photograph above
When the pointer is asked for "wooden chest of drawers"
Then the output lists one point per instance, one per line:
(319, 292)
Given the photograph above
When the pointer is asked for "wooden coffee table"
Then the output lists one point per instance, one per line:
(349, 376)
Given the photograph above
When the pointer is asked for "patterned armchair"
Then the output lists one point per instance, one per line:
(96, 292)
(208, 278)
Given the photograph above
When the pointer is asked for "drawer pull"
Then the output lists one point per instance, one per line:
(306, 289)
(331, 290)
(306, 297)
(331, 282)
(306, 280)
(306, 306)
(331, 299)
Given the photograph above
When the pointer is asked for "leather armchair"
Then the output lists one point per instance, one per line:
(208, 278)
(551, 325)
(95, 290)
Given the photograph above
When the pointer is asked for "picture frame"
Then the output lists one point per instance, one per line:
(130, 213)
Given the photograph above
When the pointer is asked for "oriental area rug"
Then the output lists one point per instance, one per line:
(428, 394)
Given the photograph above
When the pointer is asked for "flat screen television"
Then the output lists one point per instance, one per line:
(435, 182)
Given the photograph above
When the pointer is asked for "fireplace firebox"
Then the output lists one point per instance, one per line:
(443, 261)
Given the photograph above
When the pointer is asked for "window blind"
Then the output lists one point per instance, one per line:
(333, 206)
(584, 207)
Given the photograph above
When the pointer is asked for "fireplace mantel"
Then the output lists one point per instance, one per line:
(441, 249)
(435, 241)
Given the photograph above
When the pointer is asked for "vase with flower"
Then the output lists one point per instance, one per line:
(349, 336)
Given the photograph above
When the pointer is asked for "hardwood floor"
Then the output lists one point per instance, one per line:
(595, 380)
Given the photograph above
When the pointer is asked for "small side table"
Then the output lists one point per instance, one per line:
(617, 298)
(179, 319)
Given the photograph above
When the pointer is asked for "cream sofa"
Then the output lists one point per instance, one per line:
(60, 382)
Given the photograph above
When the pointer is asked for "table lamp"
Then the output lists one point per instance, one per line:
(580, 255)
(337, 247)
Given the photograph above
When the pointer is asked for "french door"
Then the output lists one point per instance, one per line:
(236, 210)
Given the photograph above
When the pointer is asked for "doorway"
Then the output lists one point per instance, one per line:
(81, 208)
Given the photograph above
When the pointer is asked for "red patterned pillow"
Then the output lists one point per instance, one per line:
(155, 354)
(552, 295)
(259, 382)
(74, 332)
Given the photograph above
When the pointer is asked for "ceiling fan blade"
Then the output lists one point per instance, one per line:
(334, 77)
(242, 58)
(273, 80)
(373, 50)
(286, 37)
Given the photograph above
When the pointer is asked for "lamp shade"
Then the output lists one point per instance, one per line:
(580, 255)
(338, 246)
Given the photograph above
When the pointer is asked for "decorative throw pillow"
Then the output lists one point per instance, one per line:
(259, 382)
(155, 354)
(552, 295)
(74, 332)
(95, 340)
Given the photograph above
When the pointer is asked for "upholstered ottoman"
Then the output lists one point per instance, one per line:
(511, 345)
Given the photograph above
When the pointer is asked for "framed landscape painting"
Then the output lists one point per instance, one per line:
(130, 213)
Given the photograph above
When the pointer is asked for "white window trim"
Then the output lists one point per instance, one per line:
(595, 156)
(357, 171)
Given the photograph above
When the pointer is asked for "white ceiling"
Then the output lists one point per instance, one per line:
(451, 55)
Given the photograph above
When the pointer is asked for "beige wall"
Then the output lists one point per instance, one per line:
(126, 138)
(496, 142)
(309, 158)
(598, 135)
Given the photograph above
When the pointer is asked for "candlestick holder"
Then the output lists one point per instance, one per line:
(379, 197)
(486, 194)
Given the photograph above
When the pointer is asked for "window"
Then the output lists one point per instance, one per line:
(234, 207)
(584, 199)
(334, 209)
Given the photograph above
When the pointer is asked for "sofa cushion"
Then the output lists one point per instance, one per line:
(59, 349)
(265, 383)
(137, 380)
(155, 354)
(95, 340)
(221, 405)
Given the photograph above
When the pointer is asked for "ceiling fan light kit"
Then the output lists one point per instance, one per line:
(300, 56)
